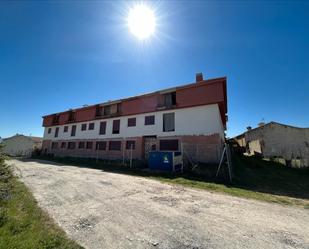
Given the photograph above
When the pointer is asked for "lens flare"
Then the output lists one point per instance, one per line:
(141, 21)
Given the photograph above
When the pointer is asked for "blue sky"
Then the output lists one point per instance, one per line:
(63, 54)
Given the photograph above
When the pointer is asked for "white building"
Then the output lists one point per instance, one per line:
(283, 143)
(20, 145)
(190, 118)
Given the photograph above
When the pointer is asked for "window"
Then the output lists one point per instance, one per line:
(84, 127)
(71, 145)
(131, 122)
(130, 144)
(89, 145)
(56, 119)
(102, 128)
(73, 130)
(168, 122)
(63, 144)
(116, 126)
(150, 120)
(91, 126)
(54, 145)
(99, 111)
(71, 116)
(101, 145)
(56, 131)
(169, 145)
(49, 130)
(114, 145)
(65, 128)
(170, 99)
(81, 145)
(107, 110)
(112, 109)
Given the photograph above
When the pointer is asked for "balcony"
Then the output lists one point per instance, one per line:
(108, 111)
(167, 101)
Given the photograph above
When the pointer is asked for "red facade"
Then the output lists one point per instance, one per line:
(201, 93)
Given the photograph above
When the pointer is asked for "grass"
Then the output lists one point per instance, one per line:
(253, 178)
(22, 223)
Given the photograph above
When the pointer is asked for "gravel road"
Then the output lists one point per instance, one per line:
(107, 210)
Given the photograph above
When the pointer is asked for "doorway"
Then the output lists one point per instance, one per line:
(150, 144)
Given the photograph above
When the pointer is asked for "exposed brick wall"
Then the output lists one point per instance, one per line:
(104, 154)
(198, 148)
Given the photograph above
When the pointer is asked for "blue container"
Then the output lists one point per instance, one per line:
(164, 161)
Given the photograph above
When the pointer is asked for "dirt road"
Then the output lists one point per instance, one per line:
(107, 210)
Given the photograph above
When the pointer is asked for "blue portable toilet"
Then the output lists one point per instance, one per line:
(165, 161)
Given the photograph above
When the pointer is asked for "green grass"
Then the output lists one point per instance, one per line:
(253, 178)
(22, 223)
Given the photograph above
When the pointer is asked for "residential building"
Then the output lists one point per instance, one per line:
(280, 142)
(21, 145)
(190, 118)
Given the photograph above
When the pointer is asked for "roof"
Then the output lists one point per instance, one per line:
(268, 124)
(34, 139)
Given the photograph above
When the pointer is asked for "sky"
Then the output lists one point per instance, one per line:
(56, 55)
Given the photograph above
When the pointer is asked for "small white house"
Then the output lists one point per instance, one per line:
(20, 145)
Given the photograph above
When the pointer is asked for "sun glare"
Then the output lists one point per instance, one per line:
(141, 21)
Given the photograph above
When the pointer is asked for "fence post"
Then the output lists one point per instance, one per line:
(131, 155)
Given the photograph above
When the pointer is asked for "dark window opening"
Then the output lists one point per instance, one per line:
(56, 119)
(101, 145)
(99, 111)
(168, 122)
(71, 145)
(169, 145)
(170, 99)
(119, 108)
(56, 131)
(54, 145)
(130, 145)
(116, 126)
(131, 122)
(107, 110)
(81, 145)
(150, 120)
(72, 116)
(63, 144)
(102, 128)
(91, 126)
(84, 127)
(114, 145)
(73, 130)
(89, 145)
(65, 128)
(49, 130)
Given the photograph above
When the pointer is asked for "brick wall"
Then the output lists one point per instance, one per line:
(198, 148)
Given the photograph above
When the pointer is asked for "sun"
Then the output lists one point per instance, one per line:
(141, 21)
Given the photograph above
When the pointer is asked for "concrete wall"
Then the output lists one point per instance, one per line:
(199, 130)
(277, 140)
(200, 120)
(18, 146)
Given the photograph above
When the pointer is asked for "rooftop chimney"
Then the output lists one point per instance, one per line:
(199, 77)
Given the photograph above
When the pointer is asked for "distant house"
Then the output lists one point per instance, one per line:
(20, 145)
(283, 143)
